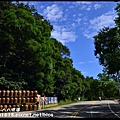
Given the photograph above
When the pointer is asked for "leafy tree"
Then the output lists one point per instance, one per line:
(107, 87)
(107, 48)
(31, 59)
(104, 77)
(95, 90)
(62, 66)
(75, 84)
(110, 88)
(87, 83)
(24, 46)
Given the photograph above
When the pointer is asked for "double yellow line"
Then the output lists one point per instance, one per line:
(76, 112)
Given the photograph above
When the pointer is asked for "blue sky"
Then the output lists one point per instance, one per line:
(75, 23)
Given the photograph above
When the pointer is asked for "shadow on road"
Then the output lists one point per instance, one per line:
(83, 111)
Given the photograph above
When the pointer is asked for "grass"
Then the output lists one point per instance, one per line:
(61, 103)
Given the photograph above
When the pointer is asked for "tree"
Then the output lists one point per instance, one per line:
(62, 66)
(88, 88)
(24, 41)
(110, 88)
(31, 59)
(107, 48)
(107, 86)
(75, 84)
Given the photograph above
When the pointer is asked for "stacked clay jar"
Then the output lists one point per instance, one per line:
(17, 98)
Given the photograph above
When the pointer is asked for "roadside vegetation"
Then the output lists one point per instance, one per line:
(31, 59)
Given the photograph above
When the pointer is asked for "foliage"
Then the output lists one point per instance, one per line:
(31, 59)
(107, 48)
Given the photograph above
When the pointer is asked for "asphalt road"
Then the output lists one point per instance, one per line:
(86, 109)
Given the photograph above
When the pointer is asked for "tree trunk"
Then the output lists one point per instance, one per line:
(118, 76)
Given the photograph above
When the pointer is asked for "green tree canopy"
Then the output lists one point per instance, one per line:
(107, 47)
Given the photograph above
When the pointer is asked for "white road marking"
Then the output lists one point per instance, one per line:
(113, 111)
(91, 113)
(103, 109)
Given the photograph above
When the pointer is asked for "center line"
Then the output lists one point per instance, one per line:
(77, 111)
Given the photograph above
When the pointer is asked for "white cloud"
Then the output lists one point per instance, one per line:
(105, 20)
(90, 61)
(88, 8)
(89, 34)
(41, 7)
(71, 6)
(74, 15)
(73, 24)
(67, 3)
(84, 6)
(81, 63)
(83, 2)
(53, 12)
(97, 6)
(63, 34)
(35, 3)
(78, 20)
(86, 62)
(66, 10)
(84, 73)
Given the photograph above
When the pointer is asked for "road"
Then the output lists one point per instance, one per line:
(83, 109)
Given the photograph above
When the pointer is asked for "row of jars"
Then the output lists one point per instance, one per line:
(18, 100)
(18, 93)
(26, 107)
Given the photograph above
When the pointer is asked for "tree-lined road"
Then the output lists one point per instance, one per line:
(87, 109)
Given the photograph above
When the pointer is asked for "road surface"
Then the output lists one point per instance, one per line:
(86, 109)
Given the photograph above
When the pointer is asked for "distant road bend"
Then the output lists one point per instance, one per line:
(86, 109)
